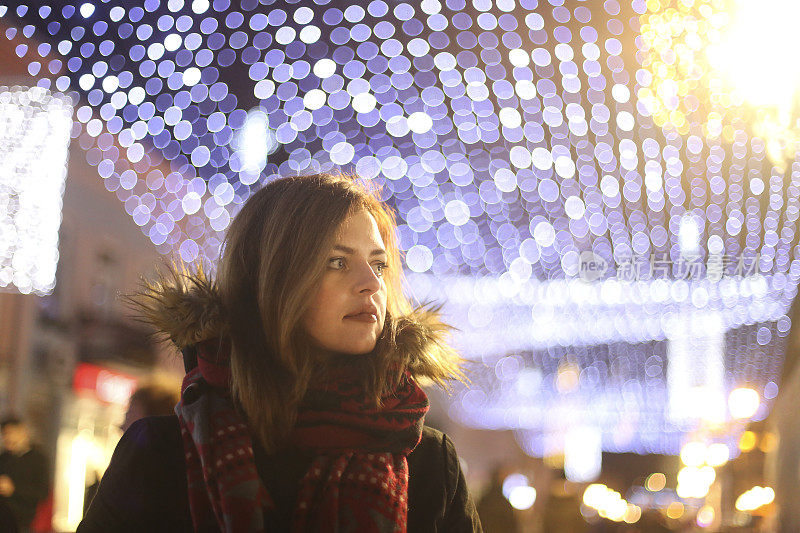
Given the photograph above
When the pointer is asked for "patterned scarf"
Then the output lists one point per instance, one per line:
(357, 482)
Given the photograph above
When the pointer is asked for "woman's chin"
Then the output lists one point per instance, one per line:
(359, 351)
(359, 348)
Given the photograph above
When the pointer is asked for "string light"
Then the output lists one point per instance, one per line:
(518, 144)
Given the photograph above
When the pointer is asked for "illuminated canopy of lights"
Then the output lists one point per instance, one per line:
(512, 137)
(33, 122)
(713, 67)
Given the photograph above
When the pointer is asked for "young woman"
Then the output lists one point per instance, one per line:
(301, 408)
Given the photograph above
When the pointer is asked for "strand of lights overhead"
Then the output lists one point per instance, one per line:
(478, 192)
(500, 314)
(511, 137)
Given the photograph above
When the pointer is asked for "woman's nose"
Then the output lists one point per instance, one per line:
(368, 280)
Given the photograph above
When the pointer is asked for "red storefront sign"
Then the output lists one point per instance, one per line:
(103, 384)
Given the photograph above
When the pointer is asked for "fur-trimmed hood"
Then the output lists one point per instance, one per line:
(185, 307)
(182, 306)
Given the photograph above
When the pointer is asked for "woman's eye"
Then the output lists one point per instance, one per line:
(380, 268)
(338, 263)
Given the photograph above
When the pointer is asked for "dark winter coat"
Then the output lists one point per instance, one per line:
(31, 477)
(144, 488)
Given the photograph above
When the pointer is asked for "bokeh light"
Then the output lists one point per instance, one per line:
(33, 122)
(516, 142)
(743, 402)
(715, 67)
(656, 482)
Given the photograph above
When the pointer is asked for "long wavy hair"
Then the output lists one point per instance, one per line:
(272, 261)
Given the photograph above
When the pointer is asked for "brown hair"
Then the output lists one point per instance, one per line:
(272, 261)
(271, 264)
(155, 400)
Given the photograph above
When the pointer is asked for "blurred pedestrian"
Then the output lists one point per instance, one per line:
(148, 400)
(24, 472)
(497, 514)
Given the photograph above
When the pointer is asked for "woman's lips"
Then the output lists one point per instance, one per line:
(363, 317)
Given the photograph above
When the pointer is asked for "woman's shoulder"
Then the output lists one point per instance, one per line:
(434, 444)
(154, 433)
(438, 497)
(435, 459)
(144, 487)
(157, 426)
(153, 442)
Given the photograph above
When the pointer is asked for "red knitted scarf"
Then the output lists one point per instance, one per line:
(358, 481)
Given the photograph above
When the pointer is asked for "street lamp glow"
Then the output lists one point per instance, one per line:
(743, 402)
(522, 498)
(717, 454)
(693, 453)
(705, 516)
(633, 514)
(755, 498)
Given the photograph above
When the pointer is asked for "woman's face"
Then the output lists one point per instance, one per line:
(347, 313)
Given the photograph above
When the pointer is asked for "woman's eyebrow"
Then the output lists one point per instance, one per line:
(351, 251)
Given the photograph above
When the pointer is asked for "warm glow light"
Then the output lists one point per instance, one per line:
(567, 377)
(751, 58)
(751, 53)
(755, 498)
(81, 448)
(695, 482)
(675, 510)
(633, 514)
(705, 516)
(717, 454)
(609, 504)
(768, 442)
(593, 495)
(747, 441)
(693, 453)
(656, 482)
(731, 55)
(616, 508)
(743, 402)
